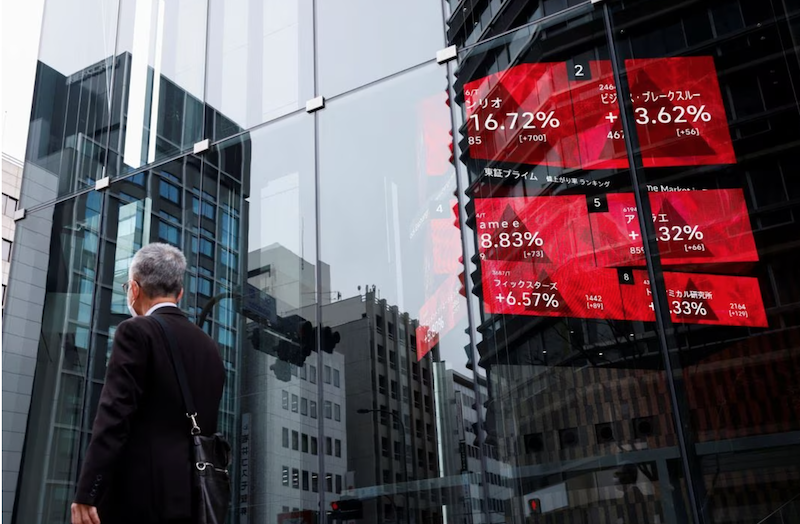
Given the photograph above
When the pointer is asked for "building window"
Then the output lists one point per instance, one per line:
(384, 447)
(305, 480)
(285, 399)
(285, 476)
(328, 409)
(329, 483)
(337, 448)
(312, 374)
(295, 402)
(303, 371)
(295, 478)
(168, 233)
(336, 377)
(314, 409)
(381, 354)
(314, 482)
(314, 445)
(285, 437)
(9, 206)
(396, 450)
(394, 389)
(337, 412)
(304, 406)
(295, 441)
(328, 446)
(338, 483)
(169, 192)
(326, 376)
(304, 443)
(6, 250)
(381, 384)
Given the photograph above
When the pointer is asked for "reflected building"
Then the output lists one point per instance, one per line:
(286, 424)
(483, 493)
(379, 344)
(190, 202)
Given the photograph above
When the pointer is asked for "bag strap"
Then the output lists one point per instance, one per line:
(180, 373)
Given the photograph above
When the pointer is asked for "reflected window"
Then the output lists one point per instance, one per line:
(314, 446)
(328, 409)
(295, 403)
(313, 409)
(285, 476)
(285, 437)
(169, 192)
(304, 406)
(337, 412)
(295, 441)
(326, 377)
(336, 377)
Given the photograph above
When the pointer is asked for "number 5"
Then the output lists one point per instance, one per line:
(596, 202)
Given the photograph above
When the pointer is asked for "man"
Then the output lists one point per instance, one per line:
(137, 468)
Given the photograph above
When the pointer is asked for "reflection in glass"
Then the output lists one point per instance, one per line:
(260, 62)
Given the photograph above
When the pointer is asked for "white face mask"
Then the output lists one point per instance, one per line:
(130, 306)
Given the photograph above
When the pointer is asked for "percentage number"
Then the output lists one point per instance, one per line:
(676, 233)
(688, 307)
(677, 115)
(530, 299)
(515, 239)
(529, 121)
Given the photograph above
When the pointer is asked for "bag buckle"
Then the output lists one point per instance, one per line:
(195, 427)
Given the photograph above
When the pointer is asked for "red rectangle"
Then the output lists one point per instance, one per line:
(692, 227)
(535, 114)
(715, 299)
(523, 114)
(680, 116)
(538, 230)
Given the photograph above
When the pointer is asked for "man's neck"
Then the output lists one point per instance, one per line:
(147, 305)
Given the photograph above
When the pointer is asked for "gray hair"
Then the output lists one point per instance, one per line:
(158, 269)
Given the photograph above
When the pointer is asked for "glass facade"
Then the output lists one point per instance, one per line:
(550, 280)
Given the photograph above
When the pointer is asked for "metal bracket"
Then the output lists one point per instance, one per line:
(19, 214)
(201, 146)
(315, 104)
(102, 183)
(446, 54)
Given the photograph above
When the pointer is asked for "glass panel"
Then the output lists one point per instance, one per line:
(393, 258)
(160, 81)
(714, 120)
(70, 233)
(348, 33)
(260, 63)
(574, 418)
(70, 118)
(272, 239)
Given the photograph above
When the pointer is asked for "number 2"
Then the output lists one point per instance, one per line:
(578, 70)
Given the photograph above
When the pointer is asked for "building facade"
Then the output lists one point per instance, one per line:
(466, 261)
(12, 177)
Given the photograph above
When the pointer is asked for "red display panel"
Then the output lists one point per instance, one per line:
(680, 117)
(523, 114)
(695, 298)
(519, 288)
(549, 256)
(543, 230)
(692, 227)
(543, 114)
(440, 313)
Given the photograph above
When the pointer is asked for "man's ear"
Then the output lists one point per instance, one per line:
(180, 295)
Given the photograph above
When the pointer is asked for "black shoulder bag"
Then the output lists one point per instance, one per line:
(211, 456)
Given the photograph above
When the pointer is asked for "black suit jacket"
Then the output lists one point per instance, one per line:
(137, 467)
